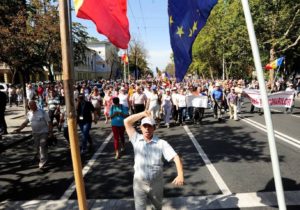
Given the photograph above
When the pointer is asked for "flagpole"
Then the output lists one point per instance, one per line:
(68, 81)
(128, 72)
(265, 103)
(124, 71)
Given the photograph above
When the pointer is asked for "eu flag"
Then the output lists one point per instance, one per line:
(186, 19)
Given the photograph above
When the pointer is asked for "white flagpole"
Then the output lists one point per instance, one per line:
(265, 103)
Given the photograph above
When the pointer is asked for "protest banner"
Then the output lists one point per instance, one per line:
(278, 99)
(197, 101)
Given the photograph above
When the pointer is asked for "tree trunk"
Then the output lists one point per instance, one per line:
(111, 70)
(211, 73)
(51, 76)
(25, 102)
(272, 71)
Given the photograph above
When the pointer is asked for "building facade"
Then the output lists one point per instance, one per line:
(101, 61)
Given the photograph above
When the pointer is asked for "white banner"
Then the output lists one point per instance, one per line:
(197, 101)
(278, 99)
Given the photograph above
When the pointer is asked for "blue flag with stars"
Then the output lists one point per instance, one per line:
(186, 19)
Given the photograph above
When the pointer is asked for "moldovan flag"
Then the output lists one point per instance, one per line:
(275, 64)
(125, 58)
(110, 17)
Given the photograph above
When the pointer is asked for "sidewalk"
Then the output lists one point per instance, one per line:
(14, 117)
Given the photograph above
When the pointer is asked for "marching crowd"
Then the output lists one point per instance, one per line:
(169, 103)
(147, 104)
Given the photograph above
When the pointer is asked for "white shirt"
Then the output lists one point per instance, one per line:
(139, 98)
(153, 101)
(174, 98)
(123, 99)
(181, 100)
(39, 121)
(148, 163)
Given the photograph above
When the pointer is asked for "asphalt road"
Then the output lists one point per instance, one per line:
(220, 158)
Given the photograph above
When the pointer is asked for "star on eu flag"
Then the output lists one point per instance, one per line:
(180, 31)
(171, 20)
(195, 26)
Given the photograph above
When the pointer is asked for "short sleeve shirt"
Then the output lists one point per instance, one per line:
(148, 163)
(117, 120)
(39, 121)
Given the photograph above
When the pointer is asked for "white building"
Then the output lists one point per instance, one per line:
(101, 61)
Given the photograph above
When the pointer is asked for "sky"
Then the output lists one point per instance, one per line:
(148, 22)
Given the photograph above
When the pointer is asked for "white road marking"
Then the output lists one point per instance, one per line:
(86, 169)
(295, 115)
(220, 182)
(238, 200)
(279, 135)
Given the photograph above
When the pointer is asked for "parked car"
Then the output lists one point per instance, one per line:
(4, 87)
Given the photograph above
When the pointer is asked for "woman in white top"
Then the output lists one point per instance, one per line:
(167, 106)
(123, 97)
(153, 103)
(96, 100)
(181, 106)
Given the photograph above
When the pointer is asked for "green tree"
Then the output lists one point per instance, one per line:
(29, 43)
(138, 58)
(225, 37)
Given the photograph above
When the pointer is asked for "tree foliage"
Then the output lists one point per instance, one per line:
(138, 58)
(30, 36)
(225, 37)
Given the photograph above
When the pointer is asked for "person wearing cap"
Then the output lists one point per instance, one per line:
(217, 95)
(148, 165)
(232, 103)
(166, 106)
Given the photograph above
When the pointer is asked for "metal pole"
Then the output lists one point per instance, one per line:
(68, 81)
(128, 72)
(265, 103)
(124, 71)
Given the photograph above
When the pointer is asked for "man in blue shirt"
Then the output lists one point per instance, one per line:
(217, 96)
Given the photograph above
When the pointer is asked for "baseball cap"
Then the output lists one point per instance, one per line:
(217, 84)
(148, 120)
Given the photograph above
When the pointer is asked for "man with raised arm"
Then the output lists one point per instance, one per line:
(148, 164)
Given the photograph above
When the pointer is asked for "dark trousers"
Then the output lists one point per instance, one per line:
(198, 114)
(2, 121)
(139, 108)
(66, 134)
(85, 130)
(53, 115)
(174, 113)
(181, 114)
(190, 112)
